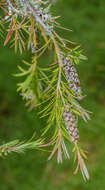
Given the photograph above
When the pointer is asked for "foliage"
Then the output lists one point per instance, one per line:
(19, 147)
(55, 88)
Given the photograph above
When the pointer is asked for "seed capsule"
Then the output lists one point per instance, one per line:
(66, 68)
(70, 79)
(71, 74)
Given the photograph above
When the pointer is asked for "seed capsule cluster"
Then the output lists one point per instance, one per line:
(38, 8)
(72, 77)
(71, 124)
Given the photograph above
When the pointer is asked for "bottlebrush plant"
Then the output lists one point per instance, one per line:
(54, 89)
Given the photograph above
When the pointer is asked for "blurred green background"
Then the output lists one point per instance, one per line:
(32, 171)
